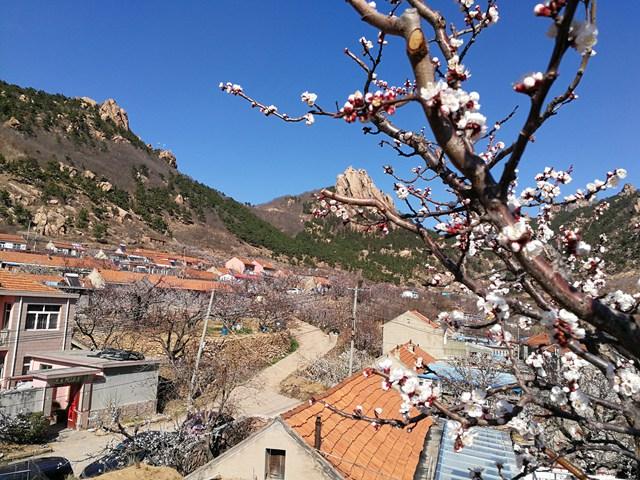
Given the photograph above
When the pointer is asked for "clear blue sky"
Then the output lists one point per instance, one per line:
(162, 61)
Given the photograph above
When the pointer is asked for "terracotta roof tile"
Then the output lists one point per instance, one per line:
(408, 357)
(7, 237)
(422, 317)
(51, 260)
(356, 449)
(539, 339)
(23, 282)
(164, 281)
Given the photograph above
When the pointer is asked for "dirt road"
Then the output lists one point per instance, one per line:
(260, 396)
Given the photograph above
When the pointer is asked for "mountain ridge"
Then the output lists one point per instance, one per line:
(73, 168)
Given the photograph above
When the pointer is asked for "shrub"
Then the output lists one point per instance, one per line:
(24, 428)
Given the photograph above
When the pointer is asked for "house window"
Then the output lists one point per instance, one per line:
(6, 316)
(274, 469)
(26, 365)
(42, 317)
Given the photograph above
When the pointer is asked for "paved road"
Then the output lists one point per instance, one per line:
(258, 397)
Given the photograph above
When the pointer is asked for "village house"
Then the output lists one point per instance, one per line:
(101, 278)
(313, 442)
(416, 327)
(65, 248)
(223, 274)
(35, 318)
(40, 373)
(242, 266)
(81, 387)
(12, 242)
(52, 263)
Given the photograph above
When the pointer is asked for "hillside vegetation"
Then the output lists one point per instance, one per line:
(73, 168)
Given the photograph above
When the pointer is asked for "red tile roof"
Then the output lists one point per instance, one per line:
(22, 282)
(7, 237)
(163, 281)
(199, 274)
(422, 317)
(539, 339)
(51, 260)
(354, 447)
(409, 357)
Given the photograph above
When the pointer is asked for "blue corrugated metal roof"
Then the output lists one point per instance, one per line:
(446, 370)
(489, 447)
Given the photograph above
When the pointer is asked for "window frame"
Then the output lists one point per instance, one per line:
(6, 315)
(44, 312)
(273, 453)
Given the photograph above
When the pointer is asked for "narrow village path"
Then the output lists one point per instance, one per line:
(261, 395)
(258, 397)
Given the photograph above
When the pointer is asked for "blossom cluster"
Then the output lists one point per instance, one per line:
(626, 380)
(230, 88)
(476, 14)
(363, 107)
(550, 8)
(414, 392)
(455, 103)
(564, 325)
(529, 83)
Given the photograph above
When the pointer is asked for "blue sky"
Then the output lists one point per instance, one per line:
(162, 61)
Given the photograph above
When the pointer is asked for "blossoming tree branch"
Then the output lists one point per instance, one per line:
(576, 401)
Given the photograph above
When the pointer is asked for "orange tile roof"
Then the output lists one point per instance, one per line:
(199, 274)
(422, 317)
(539, 339)
(163, 281)
(51, 260)
(408, 358)
(7, 237)
(354, 447)
(23, 282)
(244, 260)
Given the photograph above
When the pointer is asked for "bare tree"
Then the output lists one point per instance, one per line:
(532, 280)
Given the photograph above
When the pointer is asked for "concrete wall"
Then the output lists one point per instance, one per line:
(13, 402)
(29, 342)
(125, 386)
(407, 327)
(246, 461)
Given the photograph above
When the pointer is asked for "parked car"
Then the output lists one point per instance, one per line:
(410, 294)
(294, 291)
(45, 468)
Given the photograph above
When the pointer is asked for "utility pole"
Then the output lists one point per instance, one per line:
(199, 354)
(353, 324)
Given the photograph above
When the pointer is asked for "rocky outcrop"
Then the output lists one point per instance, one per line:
(179, 199)
(169, 157)
(105, 186)
(119, 139)
(88, 101)
(628, 190)
(110, 110)
(89, 174)
(50, 223)
(13, 122)
(357, 184)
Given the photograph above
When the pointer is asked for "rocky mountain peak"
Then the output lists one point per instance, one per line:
(358, 184)
(109, 109)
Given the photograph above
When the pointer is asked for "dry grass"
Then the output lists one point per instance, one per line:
(143, 472)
